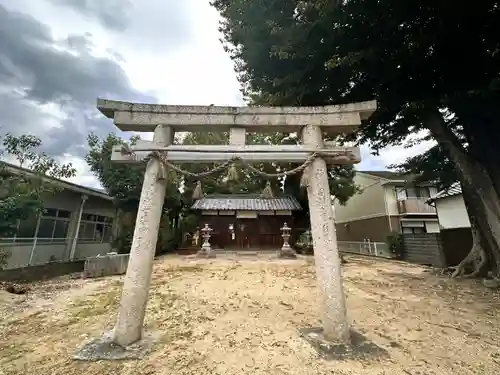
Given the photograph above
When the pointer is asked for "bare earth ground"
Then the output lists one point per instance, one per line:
(241, 316)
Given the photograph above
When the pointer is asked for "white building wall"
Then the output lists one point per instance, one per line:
(452, 212)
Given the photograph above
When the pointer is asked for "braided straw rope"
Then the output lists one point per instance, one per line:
(235, 160)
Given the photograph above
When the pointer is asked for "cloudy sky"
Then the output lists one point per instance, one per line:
(58, 56)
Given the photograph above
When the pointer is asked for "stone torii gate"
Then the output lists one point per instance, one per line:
(165, 120)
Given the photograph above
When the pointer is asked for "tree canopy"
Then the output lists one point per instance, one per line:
(431, 66)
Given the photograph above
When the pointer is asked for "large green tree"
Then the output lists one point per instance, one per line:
(22, 191)
(123, 182)
(431, 66)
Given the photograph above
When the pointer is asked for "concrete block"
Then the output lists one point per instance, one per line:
(106, 265)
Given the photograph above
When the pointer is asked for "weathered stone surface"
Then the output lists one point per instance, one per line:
(138, 278)
(144, 117)
(105, 265)
(287, 254)
(104, 348)
(357, 348)
(326, 255)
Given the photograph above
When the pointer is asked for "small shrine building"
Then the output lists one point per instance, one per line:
(246, 221)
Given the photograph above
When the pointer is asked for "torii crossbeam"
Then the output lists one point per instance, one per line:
(164, 120)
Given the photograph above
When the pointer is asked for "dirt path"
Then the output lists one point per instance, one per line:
(241, 317)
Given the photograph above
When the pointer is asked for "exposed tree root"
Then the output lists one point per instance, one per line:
(474, 263)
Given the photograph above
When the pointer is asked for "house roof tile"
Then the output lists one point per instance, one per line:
(454, 189)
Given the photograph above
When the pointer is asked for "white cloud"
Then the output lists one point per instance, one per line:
(388, 156)
(83, 175)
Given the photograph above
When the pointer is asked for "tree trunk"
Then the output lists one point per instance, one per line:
(476, 263)
(482, 200)
(483, 207)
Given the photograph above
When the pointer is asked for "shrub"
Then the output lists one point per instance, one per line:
(395, 242)
(169, 239)
(304, 243)
(123, 242)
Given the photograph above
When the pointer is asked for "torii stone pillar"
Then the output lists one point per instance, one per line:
(326, 254)
(138, 278)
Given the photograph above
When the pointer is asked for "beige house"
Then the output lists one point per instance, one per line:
(77, 223)
(389, 202)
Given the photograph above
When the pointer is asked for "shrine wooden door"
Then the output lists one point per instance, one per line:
(247, 233)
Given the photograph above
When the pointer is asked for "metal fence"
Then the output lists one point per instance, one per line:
(377, 249)
(35, 251)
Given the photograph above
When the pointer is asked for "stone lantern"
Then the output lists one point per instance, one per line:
(286, 250)
(206, 249)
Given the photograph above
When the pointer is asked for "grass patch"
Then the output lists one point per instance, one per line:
(164, 275)
(181, 269)
(173, 336)
(99, 305)
(23, 325)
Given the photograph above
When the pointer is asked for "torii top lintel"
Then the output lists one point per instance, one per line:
(334, 119)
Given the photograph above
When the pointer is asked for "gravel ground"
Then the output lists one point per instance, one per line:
(241, 316)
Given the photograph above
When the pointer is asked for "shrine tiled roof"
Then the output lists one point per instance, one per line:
(246, 203)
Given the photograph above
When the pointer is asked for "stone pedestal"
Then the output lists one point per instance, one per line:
(326, 255)
(359, 347)
(287, 253)
(104, 348)
(130, 321)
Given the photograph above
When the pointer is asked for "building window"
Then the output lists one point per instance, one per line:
(414, 230)
(95, 228)
(27, 228)
(53, 227)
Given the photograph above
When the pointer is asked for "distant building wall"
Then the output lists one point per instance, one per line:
(367, 204)
(375, 229)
